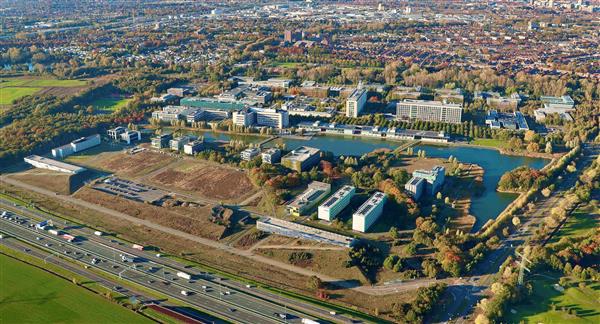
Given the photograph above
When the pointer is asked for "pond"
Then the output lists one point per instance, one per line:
(484, 207)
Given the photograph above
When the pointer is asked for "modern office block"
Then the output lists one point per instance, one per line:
(356, 102)
(302, 158)
(436, 111)
(368, 212)
(336, 203)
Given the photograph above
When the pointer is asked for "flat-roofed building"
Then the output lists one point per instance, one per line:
(193, 147)
(276, 118)
(249, 153)
(435, 178)
(75, 146)
(172, 113)
(302, 158)
(177, 143)
(244, 117)
(415, 187)
(315, 192)
(271, 156)
(562, 106)
(368, 212)
(290, 229)
(130, 136)
(356, 102)
(161, 141)
(425, 110)
(54, 165)
(115, 133)
(336, 203)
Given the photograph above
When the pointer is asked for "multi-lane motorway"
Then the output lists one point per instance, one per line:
(231, 300)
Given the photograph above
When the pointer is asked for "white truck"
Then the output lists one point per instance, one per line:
(309, 321)
(98, 233)
(185, 293)
(184, 275)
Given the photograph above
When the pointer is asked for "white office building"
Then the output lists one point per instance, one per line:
(249, 153)
(415, 187)
(436, 111)
(336, 203)
(271, 156)
(77, 145)
(356, 102)
(244, 117)
(368, 212)
(193, 147)
(275, 118)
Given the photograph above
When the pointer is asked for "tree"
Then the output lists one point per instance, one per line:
(549, 149)
(430, 268)
(516, 221)
(438, 196)
(314, 283)
(393, 232)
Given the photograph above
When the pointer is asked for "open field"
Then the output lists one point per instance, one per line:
(580, 224)
(108, 105)
(15, 88)
(127, 165)
(205, 179)
(51, 180)
(538, 307)
(10, 94)
(193, 220)
(490, 142)
(30, 295)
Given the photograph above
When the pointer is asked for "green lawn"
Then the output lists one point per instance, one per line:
(56, 83)
(579, 225)
(287, 64)
(538, 307)
(9, 95)
(108, 105)
(31, 295)
(488, 142)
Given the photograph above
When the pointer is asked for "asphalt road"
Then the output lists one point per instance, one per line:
(466, 295)
(224, 301)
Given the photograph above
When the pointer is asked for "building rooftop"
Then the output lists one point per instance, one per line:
(337, 196)
(314, 191)
(309, 232)
(302, 153)
(371, 203)
(357, 94)
(66, 166)
(430, 103)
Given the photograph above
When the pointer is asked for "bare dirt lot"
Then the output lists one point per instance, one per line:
(187, 219)
(206, 180)
(129, 165)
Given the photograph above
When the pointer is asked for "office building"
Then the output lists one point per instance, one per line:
(514, 121)
(356, 102)
(292, 36)
(54, 165)
(302, 158)
(271, 156)
(434, 178)
(173, 113)
(75, 146)
(436, 111)
(336, 203)
(130, 136)
(290, 229)
(193, 147)
(161, 141)
(562, 106)
(115, 133)
(315, 192)
(368, 212)
(177, 143)
(415, 187)
(275, 118)
(249, 153)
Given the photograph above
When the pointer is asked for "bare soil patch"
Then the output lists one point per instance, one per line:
(55, 181)
(129, 165)
(207, 180)
(192, 220)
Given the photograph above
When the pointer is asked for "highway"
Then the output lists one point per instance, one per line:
(221, 297)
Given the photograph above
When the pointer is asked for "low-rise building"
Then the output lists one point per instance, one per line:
(290, 229)
(368, 212)
(54, 165)
(315, 192)
(193, 147)
(249, 153)
(161, 141)
(302, 158)
(131, 136)
(177, 143)
(336, 203)
(562, 106)
(271, 156)
(115, 133)
(75, 146)
(514, 121)
(275, 118)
